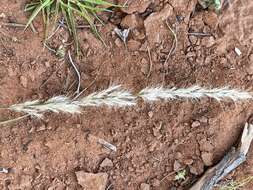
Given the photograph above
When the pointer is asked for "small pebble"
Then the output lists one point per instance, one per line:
(23, 81)
(2, 15)
(106, 163)
(195, 124)
(238, 51)
(145, 186)
(4, 170)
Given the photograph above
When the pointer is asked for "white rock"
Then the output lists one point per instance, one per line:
(238, 51)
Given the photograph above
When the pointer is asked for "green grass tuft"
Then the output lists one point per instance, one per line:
(52, 10)
(181, 175)
(213, 4)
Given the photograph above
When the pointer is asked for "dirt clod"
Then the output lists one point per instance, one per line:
(24, 81)
(135, 6)
(144, 66)
(145, 186)
(195, 124)
(197, 167)
(211, 18)
(133, 45)
(132, 21)
(106, 163)
(156, 21)
(207, 158)
(92, 181)
(176, 166)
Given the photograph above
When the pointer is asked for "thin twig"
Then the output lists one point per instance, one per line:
(172, 49)
(49, 48)
(49, 77)
(107, 145)
(69, 89)
(126, 3)
(11, 24)
(77, 73)
(53, 33)
(13, 120)
(198, 34)
(150, 62)
(109, 186)
(78, 95)
(87, 26)
(174, 44)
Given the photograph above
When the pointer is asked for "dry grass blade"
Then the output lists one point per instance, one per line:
(114, 96)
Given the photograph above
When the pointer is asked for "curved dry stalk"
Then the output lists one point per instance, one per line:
(77, 73)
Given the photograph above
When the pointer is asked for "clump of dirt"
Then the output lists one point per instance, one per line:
(154, 141)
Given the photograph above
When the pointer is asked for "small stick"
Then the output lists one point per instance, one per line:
(150, 62)
(53, 33)
(87, 26)
(77, 73)
(198, 34)
(126, 3)
(168, 175)
(78, 95)
(109, 187)
(49, 48)
(11, 24)
(172, 49)
(107, 145)
(230, 162)
(174, 44)
(14, 120)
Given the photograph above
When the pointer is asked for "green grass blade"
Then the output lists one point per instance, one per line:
(56, 12)
(73, 25)
(37, 10)
(65, 15)
(89, 7)
(31, 6)
(101, 2)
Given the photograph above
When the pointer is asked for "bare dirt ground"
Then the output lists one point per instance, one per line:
(153, 140)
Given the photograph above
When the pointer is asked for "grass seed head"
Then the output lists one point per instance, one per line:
(113, 96)
(195, 92)
(56, 104)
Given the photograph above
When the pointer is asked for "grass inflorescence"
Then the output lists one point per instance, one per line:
(116, 96)
(70, 10)
(56, 104)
